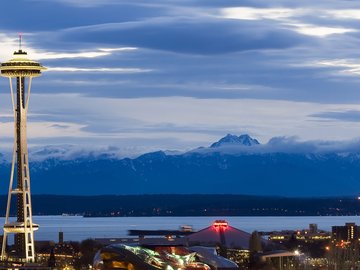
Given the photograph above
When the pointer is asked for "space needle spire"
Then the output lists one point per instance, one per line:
(20, 40)
(20, 71)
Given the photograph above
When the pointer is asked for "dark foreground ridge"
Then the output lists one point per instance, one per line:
(190, 205)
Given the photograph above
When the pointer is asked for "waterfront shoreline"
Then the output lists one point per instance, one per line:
(77, 228)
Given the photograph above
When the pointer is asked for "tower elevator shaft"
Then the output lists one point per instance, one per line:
(20, 152)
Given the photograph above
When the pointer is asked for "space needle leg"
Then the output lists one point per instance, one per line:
(3, 250)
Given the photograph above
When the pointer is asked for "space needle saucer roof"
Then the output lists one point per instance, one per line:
(20, 66)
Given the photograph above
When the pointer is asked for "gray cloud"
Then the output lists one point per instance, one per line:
(287, 145)
(350, 116)
(60, 126)
(291, 145)
(192, 52)
(184, 35)
(189, 50)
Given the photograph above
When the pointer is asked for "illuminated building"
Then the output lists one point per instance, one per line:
(220, 233)
(313, 228)
(346, 233)
(308, 236)
(61, 237)
(21, 70)
(62, 255)
(126, 257)
(231, 242)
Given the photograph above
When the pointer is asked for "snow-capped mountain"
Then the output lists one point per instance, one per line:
(236, 165)
(233, 140)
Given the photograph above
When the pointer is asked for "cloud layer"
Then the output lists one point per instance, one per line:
(178, 74)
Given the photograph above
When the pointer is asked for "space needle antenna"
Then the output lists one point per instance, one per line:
(20, 40)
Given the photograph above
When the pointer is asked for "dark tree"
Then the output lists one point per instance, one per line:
(52, 260)
(88, 248)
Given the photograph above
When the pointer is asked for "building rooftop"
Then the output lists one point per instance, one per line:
(221, 233)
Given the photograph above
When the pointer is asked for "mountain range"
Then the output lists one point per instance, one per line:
(232, 165)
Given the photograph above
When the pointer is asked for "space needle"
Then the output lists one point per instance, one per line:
(20, 71)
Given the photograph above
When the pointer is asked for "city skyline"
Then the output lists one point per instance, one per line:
(180, 74)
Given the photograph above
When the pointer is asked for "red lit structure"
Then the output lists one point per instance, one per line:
(220, 225)
(220, 233)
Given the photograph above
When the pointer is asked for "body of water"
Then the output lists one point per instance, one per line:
(78, 228)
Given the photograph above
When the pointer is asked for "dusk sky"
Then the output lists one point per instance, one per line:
(143, 75)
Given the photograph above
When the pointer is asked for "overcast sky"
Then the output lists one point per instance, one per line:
(176, 74)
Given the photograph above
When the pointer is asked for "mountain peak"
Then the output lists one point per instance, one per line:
(230, 139)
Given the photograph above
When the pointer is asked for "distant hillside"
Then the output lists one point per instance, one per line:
(234, 165)
(189, 205)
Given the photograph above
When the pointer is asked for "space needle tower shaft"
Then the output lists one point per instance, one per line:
(20, 72)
